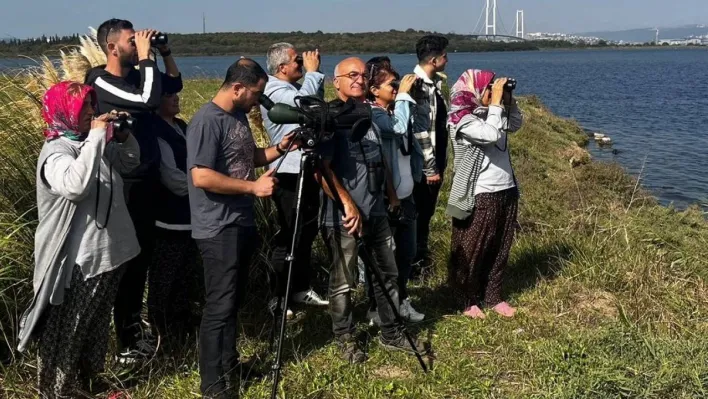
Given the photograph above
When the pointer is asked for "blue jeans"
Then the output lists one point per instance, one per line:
(343, 250)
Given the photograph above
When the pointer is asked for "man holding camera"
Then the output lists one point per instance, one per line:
(221, 158)
(286, 68)
(119, 86)
(360, 166)
(430, 129)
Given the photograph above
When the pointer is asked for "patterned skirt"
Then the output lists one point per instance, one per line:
(480, 247)
(74, 341)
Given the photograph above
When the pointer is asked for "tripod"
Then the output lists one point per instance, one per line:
(308, 163)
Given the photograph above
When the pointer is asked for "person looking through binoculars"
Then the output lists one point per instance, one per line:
(120, 86)
(286, 68)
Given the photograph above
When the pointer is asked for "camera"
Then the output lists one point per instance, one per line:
(158, 39)
(123, 123)
(319, 119)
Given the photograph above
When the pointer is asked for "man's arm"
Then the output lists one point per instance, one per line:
(215, 182)
(122, 96)
(351, 218)
(421, 132)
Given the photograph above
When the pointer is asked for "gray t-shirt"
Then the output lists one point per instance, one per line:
(223, 142)
(349, 163)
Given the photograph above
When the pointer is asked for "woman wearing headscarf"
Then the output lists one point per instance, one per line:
(83, 236)
(484, 197)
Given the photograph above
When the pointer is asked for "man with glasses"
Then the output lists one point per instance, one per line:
(119, 86)
(286, 69)
(430, 129)
(221, 158)
(360, 166)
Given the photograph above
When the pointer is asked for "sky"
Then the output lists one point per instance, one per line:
(31, 18)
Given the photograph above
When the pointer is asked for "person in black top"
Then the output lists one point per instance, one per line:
(120, 86)
(175, 281)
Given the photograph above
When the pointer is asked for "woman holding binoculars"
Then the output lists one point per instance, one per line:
(83, 238)
(391, 113)
(484, 196)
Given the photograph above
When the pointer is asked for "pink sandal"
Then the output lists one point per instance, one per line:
(504, 309)
(474, 312)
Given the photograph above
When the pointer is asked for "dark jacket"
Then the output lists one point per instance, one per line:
(172, 209)
(139, 94)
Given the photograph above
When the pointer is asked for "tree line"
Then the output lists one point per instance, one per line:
(250, 43)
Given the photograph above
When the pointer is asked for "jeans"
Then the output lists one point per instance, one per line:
(226, 258)
(129, 300)
(426, 197)
(403, 229)
(343, 251)
(285, 198)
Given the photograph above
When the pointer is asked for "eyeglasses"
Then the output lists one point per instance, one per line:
(355, 76)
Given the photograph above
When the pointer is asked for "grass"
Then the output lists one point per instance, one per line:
(610, 288)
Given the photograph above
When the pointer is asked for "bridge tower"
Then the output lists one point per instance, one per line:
(491, 23)
(520, 24)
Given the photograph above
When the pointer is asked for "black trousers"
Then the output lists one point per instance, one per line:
(426, 197)
(140, 198)
(227, 259)
(285, 198)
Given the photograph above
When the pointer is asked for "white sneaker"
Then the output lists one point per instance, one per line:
(274, 303)
(309, 297)
(410, 314)
(373, 317)
(142, 350)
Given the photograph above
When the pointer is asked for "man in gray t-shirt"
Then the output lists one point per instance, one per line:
(221, 157)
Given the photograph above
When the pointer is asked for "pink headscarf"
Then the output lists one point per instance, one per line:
(61, 109)
(466, 93)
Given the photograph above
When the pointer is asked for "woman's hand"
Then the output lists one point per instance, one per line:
(498, 91)
(407, 83)
(101, 122)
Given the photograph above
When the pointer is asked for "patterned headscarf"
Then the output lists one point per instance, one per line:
(466, 94)
(61, 109)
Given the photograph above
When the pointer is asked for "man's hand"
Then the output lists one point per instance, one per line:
(163, 48)
(285, 143)
(311, 60)
(434, 180)
(265, 185)
(352, 219)
(142, 43)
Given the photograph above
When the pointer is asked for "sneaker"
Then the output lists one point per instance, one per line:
(400, 343)
(351, 349)
(274, 304)
(309, 297)
(142, 350)
(410, 314)
(373, 317)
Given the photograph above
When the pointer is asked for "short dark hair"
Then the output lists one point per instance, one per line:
(244, 71)
(430, 46)
(379, 69)
(109, 27)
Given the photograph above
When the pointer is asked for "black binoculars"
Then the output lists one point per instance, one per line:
(123, 122)
(158, 39)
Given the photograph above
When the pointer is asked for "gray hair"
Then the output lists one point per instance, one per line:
(277, 55)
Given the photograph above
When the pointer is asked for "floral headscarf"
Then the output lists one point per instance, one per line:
(466, 94)
(61, 109)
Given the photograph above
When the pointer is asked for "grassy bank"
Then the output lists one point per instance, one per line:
(610, 288)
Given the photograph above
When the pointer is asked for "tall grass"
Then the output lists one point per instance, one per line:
(610, 287)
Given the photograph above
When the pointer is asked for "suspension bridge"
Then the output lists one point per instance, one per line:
(488, 31)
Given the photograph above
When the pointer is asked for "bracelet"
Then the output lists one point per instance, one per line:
(280, 151)
(166, 53)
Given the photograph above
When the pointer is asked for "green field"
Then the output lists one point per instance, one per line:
(609, 285)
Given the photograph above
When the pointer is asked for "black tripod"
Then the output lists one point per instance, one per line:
(309, 162)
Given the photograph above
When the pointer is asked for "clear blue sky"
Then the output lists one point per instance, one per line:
(29, 18)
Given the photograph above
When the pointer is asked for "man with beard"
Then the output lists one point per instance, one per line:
(120, 86)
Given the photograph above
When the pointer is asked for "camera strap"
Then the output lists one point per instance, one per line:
(98, 195)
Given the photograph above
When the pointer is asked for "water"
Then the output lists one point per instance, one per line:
(652, 103)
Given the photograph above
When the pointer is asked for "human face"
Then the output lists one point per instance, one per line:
(245, 98)
(121, 46)
(86, 115)
(384, 93)
(292, 70)
(439, 62)
(169, 106)
(351, 81)
(486, 97)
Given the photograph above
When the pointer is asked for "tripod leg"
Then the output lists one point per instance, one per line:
(373, 269)
(371, 264)
(304, 162)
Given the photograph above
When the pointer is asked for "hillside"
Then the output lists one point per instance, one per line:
(648, 34)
